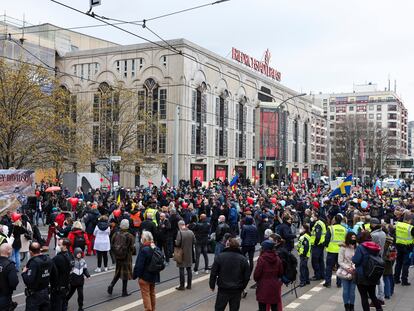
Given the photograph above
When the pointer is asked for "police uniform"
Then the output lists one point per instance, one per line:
(304, 250)
(37, 278)
(8, 283)
(63, 263)
(334, 239)
(404, 243)
(318, 244)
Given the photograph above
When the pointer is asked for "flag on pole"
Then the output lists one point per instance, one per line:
(118, 200)
(292, 187)
(165, 180)
(234, 180)
(377, 186)
(344, 188)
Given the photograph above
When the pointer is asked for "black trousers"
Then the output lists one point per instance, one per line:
(365, 291)
(262, 307)
(230, 297)
(402, 264)
(304, 270)
(102, 255)
(201, 249)
(79, 289)
(318, 264)
(249, 250)
(39, 301)
(189, 277)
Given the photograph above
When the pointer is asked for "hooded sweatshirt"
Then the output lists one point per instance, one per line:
(361, 257)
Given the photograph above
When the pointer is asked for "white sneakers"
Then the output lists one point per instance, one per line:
(97, 270)
(106, 269)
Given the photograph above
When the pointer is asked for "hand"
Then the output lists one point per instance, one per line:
(25, 269)
(212, 289)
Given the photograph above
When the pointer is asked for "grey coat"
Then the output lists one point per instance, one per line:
(379, 237)
(185, 239)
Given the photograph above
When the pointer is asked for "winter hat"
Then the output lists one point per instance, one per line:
(267, 233)
(77, 225)
(268, 245)
(77, 250)
(124, 224)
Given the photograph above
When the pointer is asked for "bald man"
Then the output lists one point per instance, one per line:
(8, 278)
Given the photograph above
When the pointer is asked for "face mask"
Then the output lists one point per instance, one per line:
(353, 242)
(58, 249)
(301, 231)
(312, 219)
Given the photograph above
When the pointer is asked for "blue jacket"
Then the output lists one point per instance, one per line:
(141, 264)
(285, 232)
(249, 233)
(361, 257)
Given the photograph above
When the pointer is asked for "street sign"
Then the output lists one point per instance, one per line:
(95, 3)
(260, 165)
(102, 162)
(115, 158)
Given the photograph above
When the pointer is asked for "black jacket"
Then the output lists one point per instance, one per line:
(230, 270)
(91, 219)
(249, 234)
(33, 275)
(8, 277)
(221, 230)
(63, 263)
(201, 231)
(164, 230)
(285, 231)
(148, 225)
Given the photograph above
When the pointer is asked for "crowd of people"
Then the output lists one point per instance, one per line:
(364, 238)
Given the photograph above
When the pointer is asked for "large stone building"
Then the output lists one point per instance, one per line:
(368, 131)
(220, 104)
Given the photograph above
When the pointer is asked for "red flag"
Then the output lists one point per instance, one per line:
(292, 187)
(319, 190)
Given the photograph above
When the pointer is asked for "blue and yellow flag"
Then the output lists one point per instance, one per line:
(344, 188)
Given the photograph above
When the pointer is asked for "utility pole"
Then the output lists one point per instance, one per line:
(176, 145)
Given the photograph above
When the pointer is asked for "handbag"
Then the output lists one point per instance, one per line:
(343, 274)
(178, 255)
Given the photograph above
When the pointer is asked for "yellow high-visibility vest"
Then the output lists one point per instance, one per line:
(313, 233)
(338, 234)
(403, 233)
(300, 246)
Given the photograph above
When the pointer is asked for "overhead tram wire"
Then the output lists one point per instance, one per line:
(267, 127)
(174, 50)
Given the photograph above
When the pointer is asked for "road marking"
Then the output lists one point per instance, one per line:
(292, 305)
(316, 289)
(305, 296)
(159, 295)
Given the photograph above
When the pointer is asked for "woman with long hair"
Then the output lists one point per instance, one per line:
(346, 270)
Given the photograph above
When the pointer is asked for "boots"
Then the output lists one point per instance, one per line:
(189, 279)
(124, 288)
(110, 288)
(347, 308)
(351, 307)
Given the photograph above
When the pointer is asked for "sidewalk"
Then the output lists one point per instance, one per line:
(320, 298)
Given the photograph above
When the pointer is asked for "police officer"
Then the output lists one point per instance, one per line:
(63, 262)
(335, 236)
(8, 278)
(404, 233)
(318, 244)
(304, 251)
(37, 276)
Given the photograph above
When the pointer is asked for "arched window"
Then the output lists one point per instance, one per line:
(106, 111)
(295, 141)
(241, 116)
(222, 120)
(199, 119)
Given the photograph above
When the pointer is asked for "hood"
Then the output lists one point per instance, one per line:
(77, 231)
(103, 225)
(269, 256)
(372, 247)
(249, 220)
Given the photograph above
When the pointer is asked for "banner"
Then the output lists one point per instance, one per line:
(15, 187)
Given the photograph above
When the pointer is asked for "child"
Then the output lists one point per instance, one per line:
(304, 247)
(77, 277)
(389, 256)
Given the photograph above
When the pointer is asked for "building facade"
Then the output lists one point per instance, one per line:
(368, 131)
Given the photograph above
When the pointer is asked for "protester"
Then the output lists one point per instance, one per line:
(186, 241)
(8, 277)
(231, 273)
(102, 244)
(77, 277)
(249, 236)
(77, 237)
(346, 270)
(146, 278)
(201, 231)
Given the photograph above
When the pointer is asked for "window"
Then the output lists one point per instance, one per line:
(86, 71)
(379, 116)
(305, 142)
(163, 104)
(378, 107)
(371, 107)
(295, 141)
(241, 115)
(371, 116)
(221, 122)
(128, 67)
(132, 68)
(332, 109)
(164, 60)
(125, 68)
(351, 108)
(332, 118)
(141, 63)
(162, 147)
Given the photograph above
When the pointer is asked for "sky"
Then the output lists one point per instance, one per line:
(318, 46)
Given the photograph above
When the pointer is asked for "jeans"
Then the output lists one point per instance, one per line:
(402, 263)
(201, 249)
(15, 257)
(331, 261)
(318, 264)
(102, 255)
(39, 214)
(304, 270)
(147, 294)
(388, 285)
(230, 297)
(365, 291)
(189, 277)
(219, 248)
(380, 290)
(348, 292)
(263, 307)
(249, 250)
(79, 289)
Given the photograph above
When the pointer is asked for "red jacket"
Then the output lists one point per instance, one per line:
(73, 234)
(269, 270)
(60, 219)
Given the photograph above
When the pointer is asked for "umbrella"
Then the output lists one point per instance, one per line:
(53, 189)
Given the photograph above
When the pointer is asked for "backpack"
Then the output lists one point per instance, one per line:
(373, 268)
(119, 246)
(290, 265)
(79, 241)
(157, 262)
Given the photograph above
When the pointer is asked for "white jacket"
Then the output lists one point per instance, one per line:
(102, 242)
